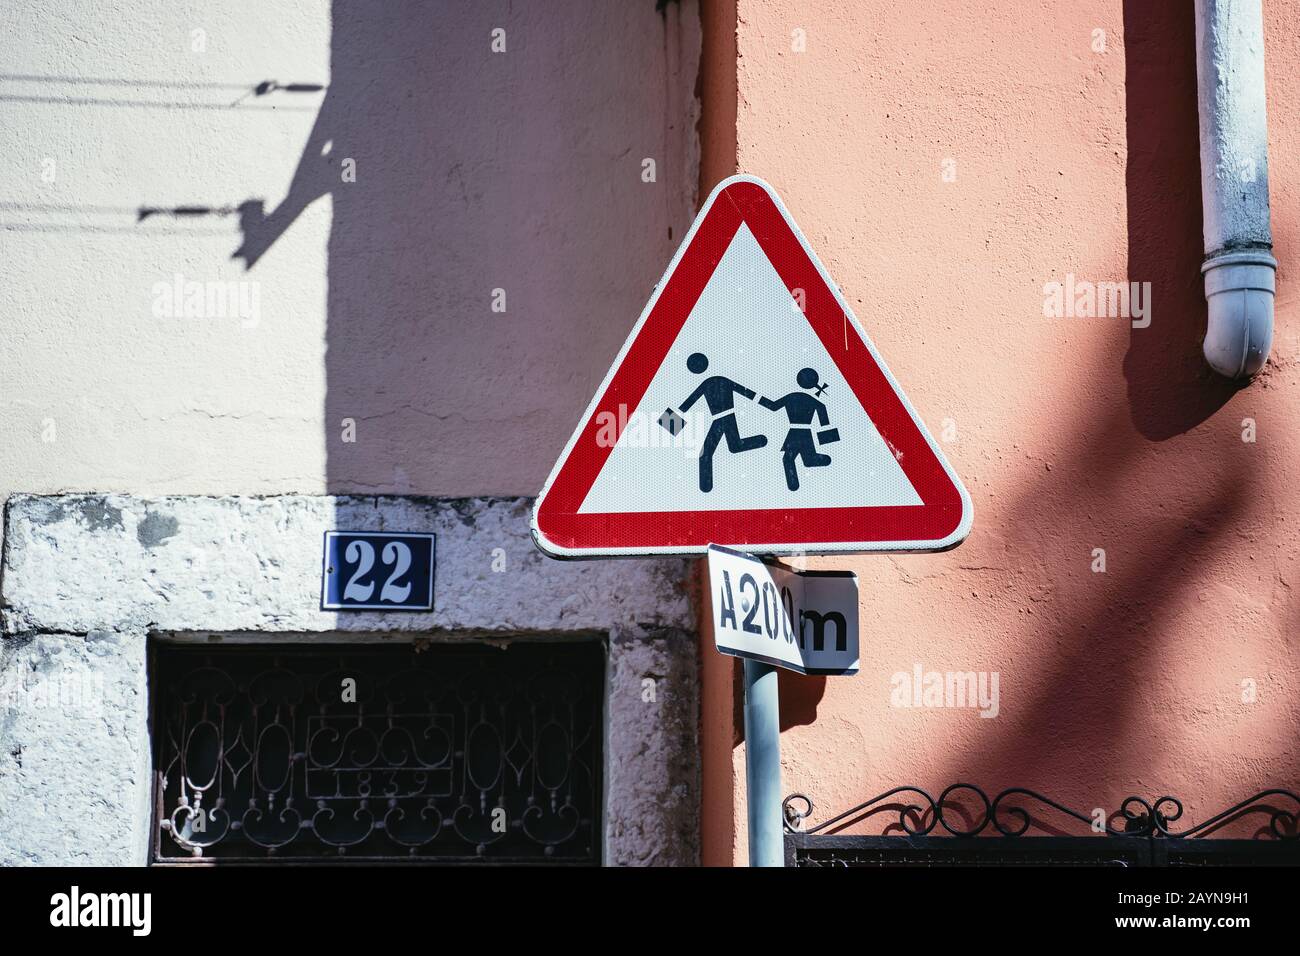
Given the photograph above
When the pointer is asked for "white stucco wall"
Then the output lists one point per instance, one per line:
(88, 580)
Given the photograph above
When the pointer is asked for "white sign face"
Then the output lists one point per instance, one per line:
(753, 338)
(806, 621)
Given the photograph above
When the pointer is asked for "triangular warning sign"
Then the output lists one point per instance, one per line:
(748, 408)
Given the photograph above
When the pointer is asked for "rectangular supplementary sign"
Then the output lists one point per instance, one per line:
(377, 571)
(806, 621)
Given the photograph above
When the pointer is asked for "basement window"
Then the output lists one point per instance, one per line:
(433, 752)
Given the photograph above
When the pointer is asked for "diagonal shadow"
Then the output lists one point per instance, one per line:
(1170, 387)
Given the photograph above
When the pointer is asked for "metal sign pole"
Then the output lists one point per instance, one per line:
(763, 765)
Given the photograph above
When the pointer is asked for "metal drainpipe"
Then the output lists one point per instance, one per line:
(1239, 266)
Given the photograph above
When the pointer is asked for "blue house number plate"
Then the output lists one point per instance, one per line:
(366, 571)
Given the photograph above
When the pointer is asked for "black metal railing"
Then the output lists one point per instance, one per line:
(440, 753)
(994, 831)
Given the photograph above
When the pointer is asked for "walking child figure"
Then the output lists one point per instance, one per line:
(719, 394)
(799, 444)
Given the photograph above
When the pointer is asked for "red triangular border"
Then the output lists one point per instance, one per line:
(940, 522)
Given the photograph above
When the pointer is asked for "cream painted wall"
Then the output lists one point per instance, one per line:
(475, 170)
(98, 391)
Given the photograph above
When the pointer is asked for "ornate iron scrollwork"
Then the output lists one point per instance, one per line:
(452, 753)
(1011, 818)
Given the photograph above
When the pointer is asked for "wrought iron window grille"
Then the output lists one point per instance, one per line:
(440, 753)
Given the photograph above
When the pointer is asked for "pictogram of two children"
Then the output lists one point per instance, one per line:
(800, 445)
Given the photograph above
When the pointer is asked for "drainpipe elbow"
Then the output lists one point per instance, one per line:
(1239, 291)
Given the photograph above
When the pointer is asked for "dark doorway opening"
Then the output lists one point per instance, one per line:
(429, 752)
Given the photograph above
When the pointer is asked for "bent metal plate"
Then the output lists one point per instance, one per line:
(806, 621)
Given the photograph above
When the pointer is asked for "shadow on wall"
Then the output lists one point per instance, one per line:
(1170, 387)
(1109, 667)
(484, 261)
(1083, 725)
(798, 696)
(1108, 630)
(1171, 390)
